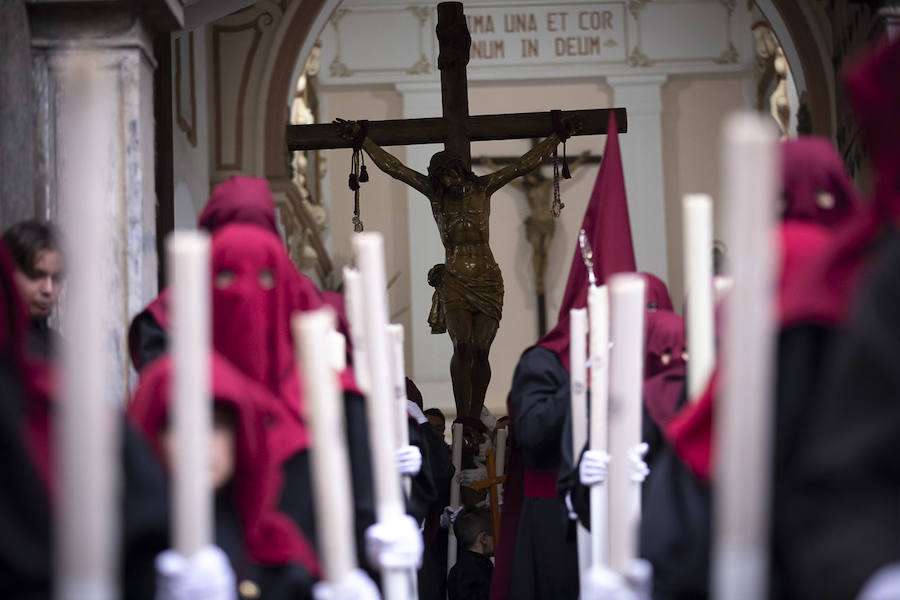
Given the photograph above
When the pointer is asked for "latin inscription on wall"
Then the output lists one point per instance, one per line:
(546, 35)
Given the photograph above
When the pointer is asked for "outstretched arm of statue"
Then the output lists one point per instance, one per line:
(573, 164)
(532, 158)
(385, 161)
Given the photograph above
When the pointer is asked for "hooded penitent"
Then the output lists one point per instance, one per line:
(608, 230)
(270, 538)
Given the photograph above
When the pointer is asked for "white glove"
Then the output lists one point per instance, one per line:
(600, 583)
(639, 469)
(206, 575)
(394, 543)
(355, 585)
(639, 576)
(594, 467)
(409, 460)
(469, 476)
(449, 516)
(573, 516)
(884, 584)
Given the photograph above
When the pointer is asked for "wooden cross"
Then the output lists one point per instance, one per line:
(493, 481)
(460, 206)
(456, 129)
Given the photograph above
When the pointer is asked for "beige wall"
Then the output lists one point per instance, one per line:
(692, 116)
(383, 201)
(693, 111)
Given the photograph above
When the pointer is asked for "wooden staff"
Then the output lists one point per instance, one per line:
(329, 459)
(579, 417)
(457, 433)
(192, 496)
(598, 302)
(743, 441)
(627, 308)
(697, 219)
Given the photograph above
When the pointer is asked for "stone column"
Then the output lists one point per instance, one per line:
(642, 162)
(16, 119)
(430, 353)
(120, 45)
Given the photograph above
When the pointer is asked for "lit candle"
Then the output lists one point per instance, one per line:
(395, 335)
(697, 219)
(627, 308)
(456, 454)
(369, 250)
(743, 440)
(85, 429)
(355, 304)
(598, 306)
(192, 495)
(579, 418)
(329, 459)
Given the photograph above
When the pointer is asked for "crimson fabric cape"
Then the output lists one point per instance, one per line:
(270, 537)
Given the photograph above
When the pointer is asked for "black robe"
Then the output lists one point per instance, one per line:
(433, 574)
(842, 521)
(296, 495)
(147, 340)
(545, 560)
(470, 577)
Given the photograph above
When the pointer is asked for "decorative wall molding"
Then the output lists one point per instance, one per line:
(185, 99)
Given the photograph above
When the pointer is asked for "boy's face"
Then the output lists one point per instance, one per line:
(488, 544)
(40, 288)
(221, 448)
(438, 424)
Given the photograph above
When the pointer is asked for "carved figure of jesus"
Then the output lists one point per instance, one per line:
(468, 297)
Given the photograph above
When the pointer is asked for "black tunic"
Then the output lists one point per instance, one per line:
(545, 561)
(470, 577)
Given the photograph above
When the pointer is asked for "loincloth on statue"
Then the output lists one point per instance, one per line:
(478, 295)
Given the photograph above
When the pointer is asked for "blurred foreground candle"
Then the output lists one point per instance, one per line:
(743, 425)
(578, 398)
(598, 312)
(698, 225)
(192, 494)
(627, 309)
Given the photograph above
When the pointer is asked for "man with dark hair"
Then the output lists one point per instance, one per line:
(470, 577)
(438, 421)
(35, 248)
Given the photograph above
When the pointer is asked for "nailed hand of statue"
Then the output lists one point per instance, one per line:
(347, 130)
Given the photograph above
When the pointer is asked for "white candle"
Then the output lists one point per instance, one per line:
(395, 335)
(329, 459)
(743, 441)
(627, 308)
(456, 453)
(369, 249)
(698, 226)
(578, 398)
(192, 495)
(85, 428)
(722, 284)
(598, 303)
(355, 303)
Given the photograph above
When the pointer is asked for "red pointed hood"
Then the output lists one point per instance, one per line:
(239, 200)
(608, 230)
(271, 538)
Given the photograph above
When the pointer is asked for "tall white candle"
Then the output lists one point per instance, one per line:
(598, 303)
(578, 398)
(698, 239)
(743, 440)
(627, 309)
(86, 428)
(456, 455)
(329, 459)
(192, 495)
(355, 304)
(401, 431)
(369, 250)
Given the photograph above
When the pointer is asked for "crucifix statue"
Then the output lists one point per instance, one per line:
(468, 286)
